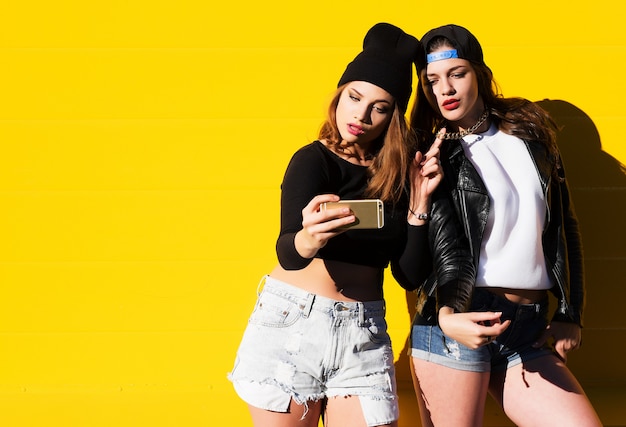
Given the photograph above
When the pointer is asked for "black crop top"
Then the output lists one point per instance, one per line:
(315, 170)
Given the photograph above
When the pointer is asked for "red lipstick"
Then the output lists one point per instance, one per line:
(451, 104)
(355, 129)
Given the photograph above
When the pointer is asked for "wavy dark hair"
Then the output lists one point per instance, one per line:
(514, 116)
(392, 152)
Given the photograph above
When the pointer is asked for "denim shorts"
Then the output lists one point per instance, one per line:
(305, 347)
(512, 347)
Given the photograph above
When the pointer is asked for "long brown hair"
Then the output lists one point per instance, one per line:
(515, 116)
(392, 152)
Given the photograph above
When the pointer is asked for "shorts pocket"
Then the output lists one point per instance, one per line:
(482, 301)
(376, 330)
(275, 311)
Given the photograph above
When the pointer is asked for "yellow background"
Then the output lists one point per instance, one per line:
(142, 148)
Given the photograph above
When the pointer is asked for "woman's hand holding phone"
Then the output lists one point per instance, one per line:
(319, 225)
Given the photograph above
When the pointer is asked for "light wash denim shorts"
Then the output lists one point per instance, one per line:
(306, 347)
(512, 347)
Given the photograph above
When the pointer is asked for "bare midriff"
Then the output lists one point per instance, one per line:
(337, 280)
(519, 296)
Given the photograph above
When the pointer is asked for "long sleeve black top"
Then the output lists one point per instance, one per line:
(315, 170)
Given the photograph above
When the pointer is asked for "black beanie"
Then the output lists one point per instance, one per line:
(386, 61)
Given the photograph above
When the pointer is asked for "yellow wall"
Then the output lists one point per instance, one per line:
(142, 148)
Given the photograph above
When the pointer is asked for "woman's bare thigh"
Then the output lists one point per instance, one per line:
(449, 397)
(543, 391)
(298, 416)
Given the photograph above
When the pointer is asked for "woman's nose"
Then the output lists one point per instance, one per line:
(447, 88)
(362, 114)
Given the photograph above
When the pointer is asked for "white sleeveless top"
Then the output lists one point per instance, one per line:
(511, 254)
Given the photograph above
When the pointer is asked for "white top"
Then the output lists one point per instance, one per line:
(511, 254)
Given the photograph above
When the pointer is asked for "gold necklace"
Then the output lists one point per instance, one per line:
(459, 135)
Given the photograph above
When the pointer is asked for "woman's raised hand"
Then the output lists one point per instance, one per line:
(425, 175)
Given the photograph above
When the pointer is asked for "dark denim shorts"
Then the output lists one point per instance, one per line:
(513, 346)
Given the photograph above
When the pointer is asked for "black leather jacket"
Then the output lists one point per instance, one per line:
(459, 214)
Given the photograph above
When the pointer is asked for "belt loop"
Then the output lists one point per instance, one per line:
(361, 314)
(261, 283)
(306, 310)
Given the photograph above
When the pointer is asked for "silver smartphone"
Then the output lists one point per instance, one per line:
(369, 213)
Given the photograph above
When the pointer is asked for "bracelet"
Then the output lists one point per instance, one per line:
(421, 216)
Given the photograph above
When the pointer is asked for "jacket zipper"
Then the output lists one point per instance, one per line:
(563, 306)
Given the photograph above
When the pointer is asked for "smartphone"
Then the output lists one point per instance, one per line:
(369, 213)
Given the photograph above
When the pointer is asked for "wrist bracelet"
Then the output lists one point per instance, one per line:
(421, 216)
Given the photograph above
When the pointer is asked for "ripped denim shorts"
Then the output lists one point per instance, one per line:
(512, 347)
(305, 347)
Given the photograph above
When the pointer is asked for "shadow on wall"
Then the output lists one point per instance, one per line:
(598, 185)
(597, 181)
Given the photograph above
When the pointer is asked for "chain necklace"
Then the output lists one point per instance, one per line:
(459, 135)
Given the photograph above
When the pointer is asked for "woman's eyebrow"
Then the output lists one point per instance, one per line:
(356, 92)
(455, 68)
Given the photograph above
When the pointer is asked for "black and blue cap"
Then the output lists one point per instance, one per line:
(466, 45)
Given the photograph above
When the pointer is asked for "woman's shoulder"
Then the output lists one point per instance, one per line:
(316, 151)
(311, 157)
(315, 148)
(312, 163)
